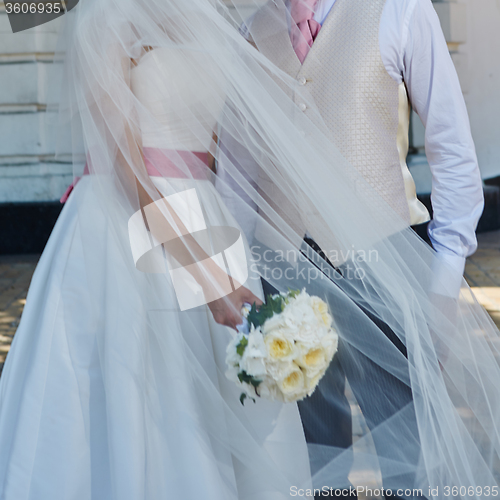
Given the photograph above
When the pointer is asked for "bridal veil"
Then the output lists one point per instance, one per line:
(432, 356)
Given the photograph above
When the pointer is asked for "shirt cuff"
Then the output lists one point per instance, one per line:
(447, 274)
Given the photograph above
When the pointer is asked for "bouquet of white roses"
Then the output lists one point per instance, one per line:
(285, 349)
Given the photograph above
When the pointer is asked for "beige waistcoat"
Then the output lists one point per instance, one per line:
(365, 110)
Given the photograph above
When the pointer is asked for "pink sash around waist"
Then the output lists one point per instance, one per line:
(166, 163)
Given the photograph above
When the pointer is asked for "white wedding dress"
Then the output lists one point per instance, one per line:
(107, 394)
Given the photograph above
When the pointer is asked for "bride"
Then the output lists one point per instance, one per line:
(115, 384)
(111, 391)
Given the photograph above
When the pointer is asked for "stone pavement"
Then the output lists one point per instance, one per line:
(15, 277)
(482, 272)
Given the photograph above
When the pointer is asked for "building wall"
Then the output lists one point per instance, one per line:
(478, 65)
(29, 172)
(472, 31)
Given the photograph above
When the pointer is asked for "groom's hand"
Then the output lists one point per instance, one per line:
(227, 310)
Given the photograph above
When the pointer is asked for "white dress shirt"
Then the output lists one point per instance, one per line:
(414, 50)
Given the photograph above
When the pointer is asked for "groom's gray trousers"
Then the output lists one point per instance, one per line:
(385, 402)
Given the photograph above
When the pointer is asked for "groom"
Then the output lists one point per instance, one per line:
(363, 62)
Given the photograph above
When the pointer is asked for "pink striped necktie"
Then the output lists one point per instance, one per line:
(307, 30)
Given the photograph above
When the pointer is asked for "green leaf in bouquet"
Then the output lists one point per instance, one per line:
(240, 348)
(243, 376)
(243, 396)
(274, 305)
(291, 294)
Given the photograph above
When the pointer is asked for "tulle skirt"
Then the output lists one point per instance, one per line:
(109, 392)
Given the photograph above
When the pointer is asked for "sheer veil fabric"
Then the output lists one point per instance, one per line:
(142, 86)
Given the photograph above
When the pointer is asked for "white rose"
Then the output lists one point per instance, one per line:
(312, 382)
(312, 358)
(280, 347)
(293, 383)
(277, 369)
(308, 335)
(330, 343)
(320, 309)
(273, 323)
(299, 313)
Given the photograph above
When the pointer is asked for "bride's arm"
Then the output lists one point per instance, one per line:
(186, 251)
